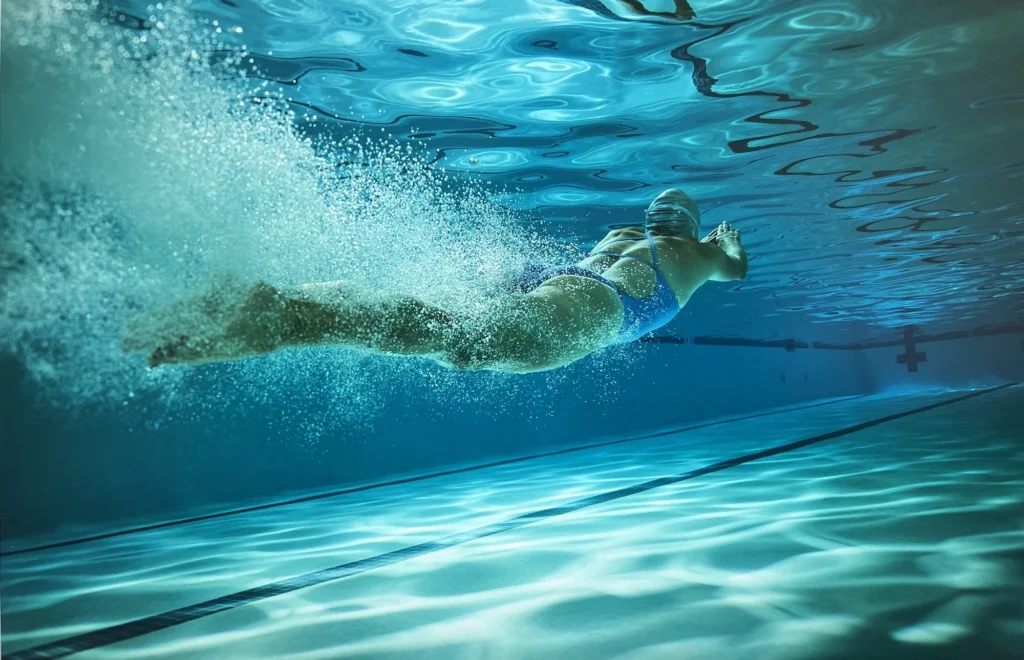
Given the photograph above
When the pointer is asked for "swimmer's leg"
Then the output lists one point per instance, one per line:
(561, 321)
(265, 319)
(547, 328)
(334, 313)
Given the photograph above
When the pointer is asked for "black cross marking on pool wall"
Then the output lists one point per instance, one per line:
(911, 358)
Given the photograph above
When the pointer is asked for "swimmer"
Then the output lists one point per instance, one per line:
(633, 282)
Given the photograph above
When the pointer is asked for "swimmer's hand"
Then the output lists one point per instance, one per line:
(728, 238)
(724, 229)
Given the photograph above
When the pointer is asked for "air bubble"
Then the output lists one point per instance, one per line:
(238, 194)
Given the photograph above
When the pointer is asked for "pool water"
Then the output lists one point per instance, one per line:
(887, 526)
(823, 460)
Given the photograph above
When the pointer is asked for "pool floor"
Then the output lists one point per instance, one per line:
(889, 527)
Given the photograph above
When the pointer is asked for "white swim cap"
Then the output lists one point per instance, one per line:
(674, 212)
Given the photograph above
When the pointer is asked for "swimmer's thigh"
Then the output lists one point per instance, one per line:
(561, 321)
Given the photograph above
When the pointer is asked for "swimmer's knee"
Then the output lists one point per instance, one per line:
(511, 349)
(464, 352)
(470, 347)
(427, 329)
(410, 326)
(420, 311)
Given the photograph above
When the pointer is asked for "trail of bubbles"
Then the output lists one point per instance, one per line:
(142, 163)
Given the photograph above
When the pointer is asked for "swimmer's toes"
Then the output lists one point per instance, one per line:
(156, 358)
(171, 352)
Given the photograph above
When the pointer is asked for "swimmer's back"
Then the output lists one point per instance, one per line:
(685, 262)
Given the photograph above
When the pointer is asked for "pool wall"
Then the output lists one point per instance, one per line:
(983, 357)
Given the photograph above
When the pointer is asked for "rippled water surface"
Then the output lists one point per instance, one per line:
(869, 151)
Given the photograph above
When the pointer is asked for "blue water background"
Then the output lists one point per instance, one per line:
(866, 150)
(861, 147)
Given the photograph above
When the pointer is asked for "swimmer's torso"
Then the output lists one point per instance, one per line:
(683, 261)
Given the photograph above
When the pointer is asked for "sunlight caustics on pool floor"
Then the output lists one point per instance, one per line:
(889, 525)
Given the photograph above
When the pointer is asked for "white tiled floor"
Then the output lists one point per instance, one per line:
(902, 540)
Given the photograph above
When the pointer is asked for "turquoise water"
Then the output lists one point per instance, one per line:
(864, 149)
(638, 504)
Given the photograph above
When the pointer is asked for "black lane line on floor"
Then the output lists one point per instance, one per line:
(150, 624)
(408, 480)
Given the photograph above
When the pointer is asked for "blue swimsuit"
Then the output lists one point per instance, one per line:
(640, 315)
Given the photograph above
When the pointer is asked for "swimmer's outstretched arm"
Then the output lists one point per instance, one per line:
(730, 258)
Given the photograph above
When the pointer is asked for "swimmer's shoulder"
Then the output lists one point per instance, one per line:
(619, 235)
(684, 251)
(680, 244)
(626, 232)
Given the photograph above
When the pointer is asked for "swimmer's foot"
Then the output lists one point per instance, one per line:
(183, 350)
(248, 323)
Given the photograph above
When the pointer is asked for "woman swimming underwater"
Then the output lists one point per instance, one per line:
(633, 282)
